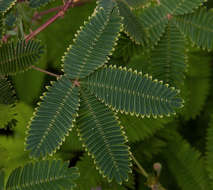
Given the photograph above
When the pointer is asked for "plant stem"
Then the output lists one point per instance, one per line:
(39, 15)
(50, 21)
(143, 172)
(46, 72)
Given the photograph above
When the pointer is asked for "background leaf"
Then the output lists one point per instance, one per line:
(55, 175)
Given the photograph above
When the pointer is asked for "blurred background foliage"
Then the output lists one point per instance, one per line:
(169, 141)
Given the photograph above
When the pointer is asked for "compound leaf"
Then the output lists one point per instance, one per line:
(185, 163)
(197, 83)
(168, 57)
(132, 92)
(43, 175)
(16, 57)
(53, 119)
(154, 20)
(7, 102)
(5, 5)
(132, 24)
(7, 95)
(93, 44)
(198, 27)
(181, 7)
(103, 138)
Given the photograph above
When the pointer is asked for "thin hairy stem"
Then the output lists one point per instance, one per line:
(50, 21)
(142, 171)
(40, 14)
(46, 72)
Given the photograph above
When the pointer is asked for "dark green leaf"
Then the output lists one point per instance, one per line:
(45, 175)
(20, 56)
(53, 119)
(133, 92)
(93, 44)
(103, 138)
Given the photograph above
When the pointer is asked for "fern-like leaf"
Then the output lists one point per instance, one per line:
(93, 44)
(103, 138)
(198, 27)
(184, 162)
(53, 119)
(132, 92)
(38, 3)
(1, 180)
(45, 175)
(196, 86)
(132, 24)
(16, 57)
(181, 7)
(168, 57)
(7, 102)
(7, 95)
(2, 28)
(154, 20)
(209, 156)
(7, 114)
(5, 5)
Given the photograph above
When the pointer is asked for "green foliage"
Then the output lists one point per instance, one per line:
(135, 31)
(176, 7)
(43, 175)
(11, 147)
(184, 162)
(198, 27)
(154, 20)
(168, 57)
(1, 26)
(7, 102)
(53, 119)
(209, 156)
(92, 180)
(7, 95)
(138, 129)
(196, 84)
(102, 136)
(20, 56)
(38, 3)
(5, 5)
(25, 82)
(96, 38)
(7, 113)
(136, 4)
(1, 180)
(121, 89)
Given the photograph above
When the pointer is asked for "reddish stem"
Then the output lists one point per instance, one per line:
(50, 21)
(46, 72)
(39, 15)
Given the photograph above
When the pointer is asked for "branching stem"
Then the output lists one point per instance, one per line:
(50, 21)
(143, 172)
